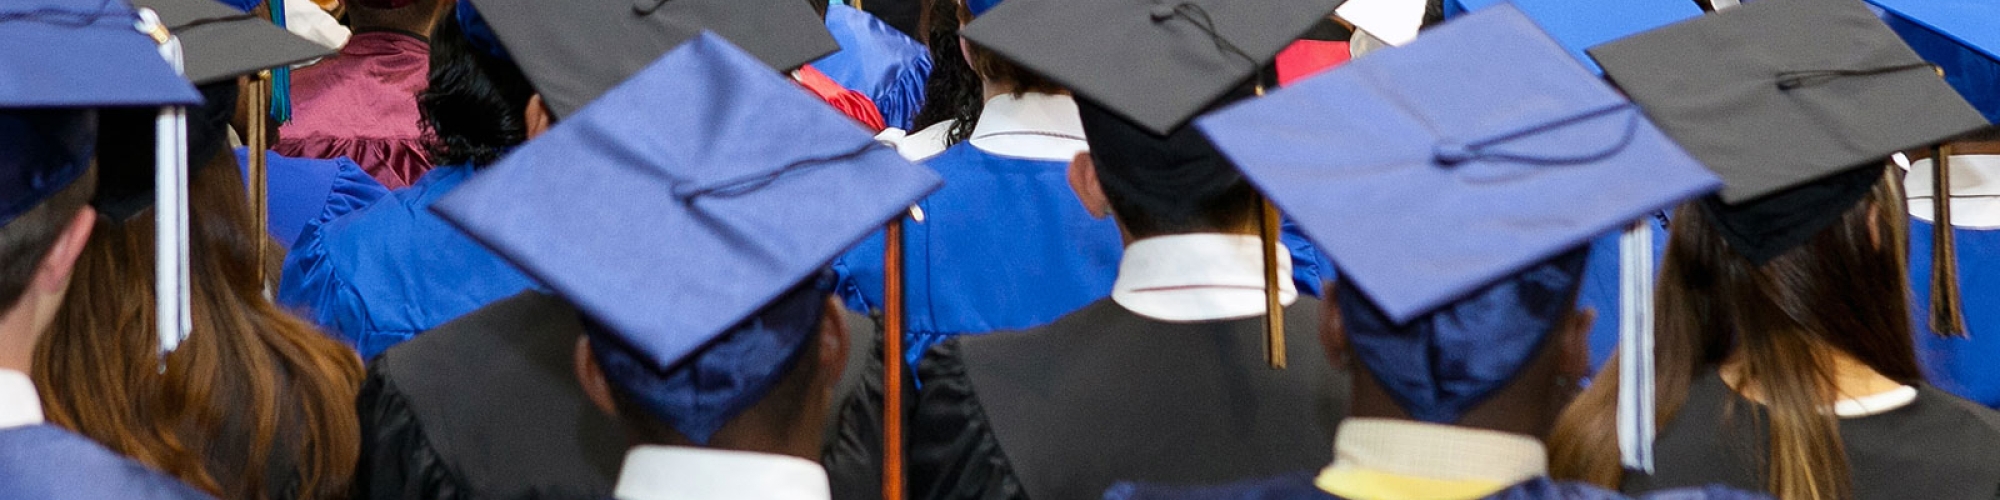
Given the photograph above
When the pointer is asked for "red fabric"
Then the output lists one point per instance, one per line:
(362, 104)
(854, 104)
(1309, 57)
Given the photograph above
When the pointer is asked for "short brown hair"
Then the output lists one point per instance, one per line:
(25, 240)
(994, 67)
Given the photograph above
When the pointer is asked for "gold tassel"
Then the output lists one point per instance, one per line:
(1947, 314)
(257, 140)
(1274, 314)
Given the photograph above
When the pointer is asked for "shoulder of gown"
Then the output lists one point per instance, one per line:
(953, 452)
(397, 460)
(43, 462)
(879, 61)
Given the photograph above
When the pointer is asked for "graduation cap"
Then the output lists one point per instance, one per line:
(574, 50)
(1154, 62)
(979, 7)
(1502, 162)
(1394, 22)
(686, 241)
(1581, 24)
(221, 43)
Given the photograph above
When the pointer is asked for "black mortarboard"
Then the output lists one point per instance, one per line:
(1155, 62)
(221, 43)
(574, 50)
(1790, 102)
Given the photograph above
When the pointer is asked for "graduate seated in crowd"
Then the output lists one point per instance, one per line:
(442, 415)
(379, 275)
(48, 141)
(362, 103)
(1166, 379)
(1462, 350)
(721, 362)
(254, 403)
(1780, 369)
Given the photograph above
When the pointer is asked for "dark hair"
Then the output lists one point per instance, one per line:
(26, 240)
(953, 91)
(475, 105)
(1845, 290)
(1172, 184)
(997, 68)
(255, 404)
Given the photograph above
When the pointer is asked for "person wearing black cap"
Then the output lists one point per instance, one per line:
(362, 103)
(1169, 378)
(65, 60)
(718, 351)
(255, 403)
(1780, 369)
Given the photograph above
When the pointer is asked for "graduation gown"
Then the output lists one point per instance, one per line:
(380, 275)
(1103, 395)
(1300, 487)
(875, 59)
(362, 104)
(43, 462)
(1963, 366)
(487, 406)
(308, 192)
(1938, 447)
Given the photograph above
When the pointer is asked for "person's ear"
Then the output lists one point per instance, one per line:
(591, 377)
(1574, 360)
(537, 116)
(52, 276)
(1083, 180)
(833, 344)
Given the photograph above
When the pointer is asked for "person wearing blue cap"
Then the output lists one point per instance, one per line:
(65, 60)
(1780, 368)
(379, 275)
(719, 351)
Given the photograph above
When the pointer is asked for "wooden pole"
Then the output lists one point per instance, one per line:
(892, 363)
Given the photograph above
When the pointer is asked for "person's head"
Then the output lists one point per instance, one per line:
(1506, 357)
(1843, 292)
(765, 386)
(254, 394)
(1155, 185)
(997, 74)
(478, 104)
(953, 91)
(418, 17)
(41, 230)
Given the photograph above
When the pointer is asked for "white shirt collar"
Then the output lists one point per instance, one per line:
(1198, 277)
(1971, 175)
(919, 145)
(1032, 125)
(1448, 452)
(686, 473)
(20, 406)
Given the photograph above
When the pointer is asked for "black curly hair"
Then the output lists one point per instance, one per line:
(476, 103)
(954, 91)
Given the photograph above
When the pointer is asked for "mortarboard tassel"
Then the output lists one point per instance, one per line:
(1274, 307)
(892, 360)
(171, 286)
(258, 139)
(281, 77)
(1947, 314)
(1635, 347)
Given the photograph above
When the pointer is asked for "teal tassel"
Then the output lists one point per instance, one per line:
(281, 77)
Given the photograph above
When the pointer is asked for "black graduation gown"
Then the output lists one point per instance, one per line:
(1939, 447)
(487, 406)
(1102, 395)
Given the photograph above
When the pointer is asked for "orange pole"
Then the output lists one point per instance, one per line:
(892, 364)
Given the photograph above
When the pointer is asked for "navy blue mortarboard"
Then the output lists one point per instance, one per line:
(82, 54)
(681, 213)
(574, 50)
(1581, 24)
(1502, 162)
(979, 7)
(1961, 37)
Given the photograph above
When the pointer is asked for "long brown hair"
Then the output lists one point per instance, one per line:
(255, 404)
(1845, 289)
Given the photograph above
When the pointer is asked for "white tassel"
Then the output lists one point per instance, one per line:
(172, 287)
(1635, 347)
